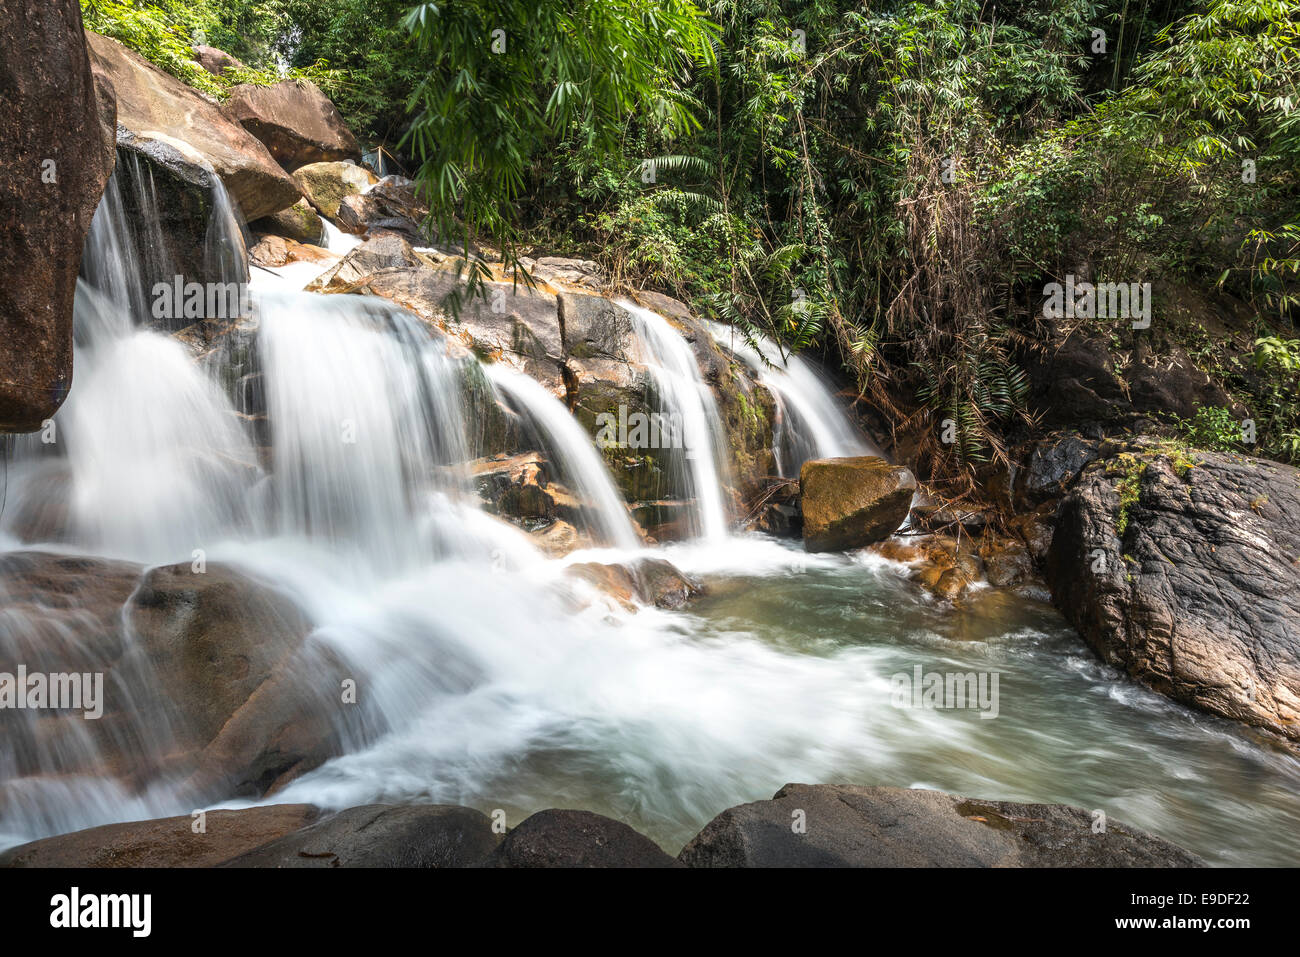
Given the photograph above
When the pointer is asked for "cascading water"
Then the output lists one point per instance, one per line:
(490, 675)
(571, 449)
(685, 395)
(810, 423)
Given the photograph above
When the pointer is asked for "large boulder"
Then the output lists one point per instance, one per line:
(215, 61)
(852, 502)
(383, 835)
(208, 676)
(824, 825)
(184, 841)
(327, 184)
(57, 138)
(155, 107)
(564, 838)
(1183, 569)
(296, 122)
(299, 222)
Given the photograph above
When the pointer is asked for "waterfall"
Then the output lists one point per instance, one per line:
(337, 241)
(146, 458)
(365, 419)
(810, 423)
(571, 450)
(682, 388)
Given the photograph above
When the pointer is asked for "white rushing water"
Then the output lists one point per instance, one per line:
(685, 395)
(491, 676)
(571, 449)
(810, 421)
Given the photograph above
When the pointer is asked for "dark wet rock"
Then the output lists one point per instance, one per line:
(840, 826)
(170, 205)
(383, 835)
(166, 842)
(295, 121)
(1053, 464)
(562, 838)
(665, 520)
(1082, 380)
(852, 502)
(50, 112)
(776, 509)
(1184, 571)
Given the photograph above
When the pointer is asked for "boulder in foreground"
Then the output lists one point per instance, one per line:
(563, 838)
(383, 835)
(166, 842)
(155, 107)
(852, 502)
(1183, 569)
(826, 825)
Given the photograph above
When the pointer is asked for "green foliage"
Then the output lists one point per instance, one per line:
(1214, 429)
(888, 184)
(165, 33)
(1131, 468)
(507, 80)
(1277, 395)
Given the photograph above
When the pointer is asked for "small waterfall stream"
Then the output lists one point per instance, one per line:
(685, 394)
(572, 451)
(810, 422)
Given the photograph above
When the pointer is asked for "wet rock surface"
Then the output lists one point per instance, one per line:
(802, 826)
(383, 835)
(845, 826)
(851, 502)
(166, 842)
(560, 838)
(1184, 571)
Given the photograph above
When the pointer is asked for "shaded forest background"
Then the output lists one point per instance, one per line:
(889, 185)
